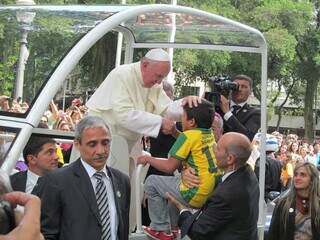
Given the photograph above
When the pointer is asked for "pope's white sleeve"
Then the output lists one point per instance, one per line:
(174, 110)
(144, 123)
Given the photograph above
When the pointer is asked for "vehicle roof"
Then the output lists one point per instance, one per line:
(192, 26)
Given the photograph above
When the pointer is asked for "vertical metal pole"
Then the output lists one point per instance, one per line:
(25, 19)
(262, 204)
(23, 57)
(119, 45)
(170, 77)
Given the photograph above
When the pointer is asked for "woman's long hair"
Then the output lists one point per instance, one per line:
(314, 195)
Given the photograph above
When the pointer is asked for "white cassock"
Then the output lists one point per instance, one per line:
(131, 110)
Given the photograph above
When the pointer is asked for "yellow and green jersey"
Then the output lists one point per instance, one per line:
(195, 149)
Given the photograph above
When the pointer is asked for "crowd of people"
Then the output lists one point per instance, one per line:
(214, 196)
(9, 104)
(53, 118)
(283, 153)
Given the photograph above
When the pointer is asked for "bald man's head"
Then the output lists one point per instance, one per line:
(233, 150)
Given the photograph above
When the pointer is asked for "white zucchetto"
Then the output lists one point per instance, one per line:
(158, 54)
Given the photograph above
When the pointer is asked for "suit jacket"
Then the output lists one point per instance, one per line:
(69, 208)
(230, 213)
(19, 182)
(272, 175)
(278, 230)
(245, 121)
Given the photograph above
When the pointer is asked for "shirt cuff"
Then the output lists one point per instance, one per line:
(227, 115)
(184, 210)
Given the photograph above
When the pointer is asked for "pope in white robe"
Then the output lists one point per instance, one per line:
(133, 103)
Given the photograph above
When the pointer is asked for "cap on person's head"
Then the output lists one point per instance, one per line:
(158, 54)
(272, 144)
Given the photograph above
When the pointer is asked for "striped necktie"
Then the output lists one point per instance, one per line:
(103, 205)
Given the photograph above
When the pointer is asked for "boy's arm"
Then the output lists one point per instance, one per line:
(165, 165)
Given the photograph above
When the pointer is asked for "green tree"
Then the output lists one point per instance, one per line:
(288, 26)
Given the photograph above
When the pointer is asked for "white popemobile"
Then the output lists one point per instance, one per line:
(144, 26)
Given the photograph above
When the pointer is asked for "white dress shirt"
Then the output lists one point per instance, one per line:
(225, 176)
(112, 205)
(32, 180)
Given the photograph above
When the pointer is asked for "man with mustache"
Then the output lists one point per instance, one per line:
(87, 199)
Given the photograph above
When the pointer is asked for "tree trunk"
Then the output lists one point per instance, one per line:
(283, 103)
(308, 109)
(104, 57)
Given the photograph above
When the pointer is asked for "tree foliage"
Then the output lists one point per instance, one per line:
(291, 29)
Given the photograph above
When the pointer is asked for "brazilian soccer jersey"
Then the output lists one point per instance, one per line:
(195, 149)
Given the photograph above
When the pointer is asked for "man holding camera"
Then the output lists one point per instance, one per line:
(239, 116)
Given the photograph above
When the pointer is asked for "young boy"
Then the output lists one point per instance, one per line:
(193, 148)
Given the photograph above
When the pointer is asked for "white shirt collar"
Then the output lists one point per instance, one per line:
(90, 170)
(224, 177)
(32, 175)
(32, 180)
(232, 103)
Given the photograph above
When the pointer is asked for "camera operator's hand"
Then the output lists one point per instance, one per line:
(225, 104)
(29, 226)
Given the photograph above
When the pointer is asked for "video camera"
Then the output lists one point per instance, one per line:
(7, 219)
(220, 85)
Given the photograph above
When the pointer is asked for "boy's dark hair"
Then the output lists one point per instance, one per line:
(34, 146)
(203, 114)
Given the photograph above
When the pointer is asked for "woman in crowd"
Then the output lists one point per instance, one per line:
(303, 152)
(282, 153)
(297, 215)
(294, 150)
(286, 171)
(305, 155)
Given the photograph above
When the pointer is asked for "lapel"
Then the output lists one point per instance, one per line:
(117, 197)
(22, 183)
(244, 113)
(19, 181)
(85, 186)
(244, 109)
(36, 188)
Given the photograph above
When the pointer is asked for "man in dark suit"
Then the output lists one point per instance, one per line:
(239, 116)
(86, 199)
(41, 157)
(232, 210)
